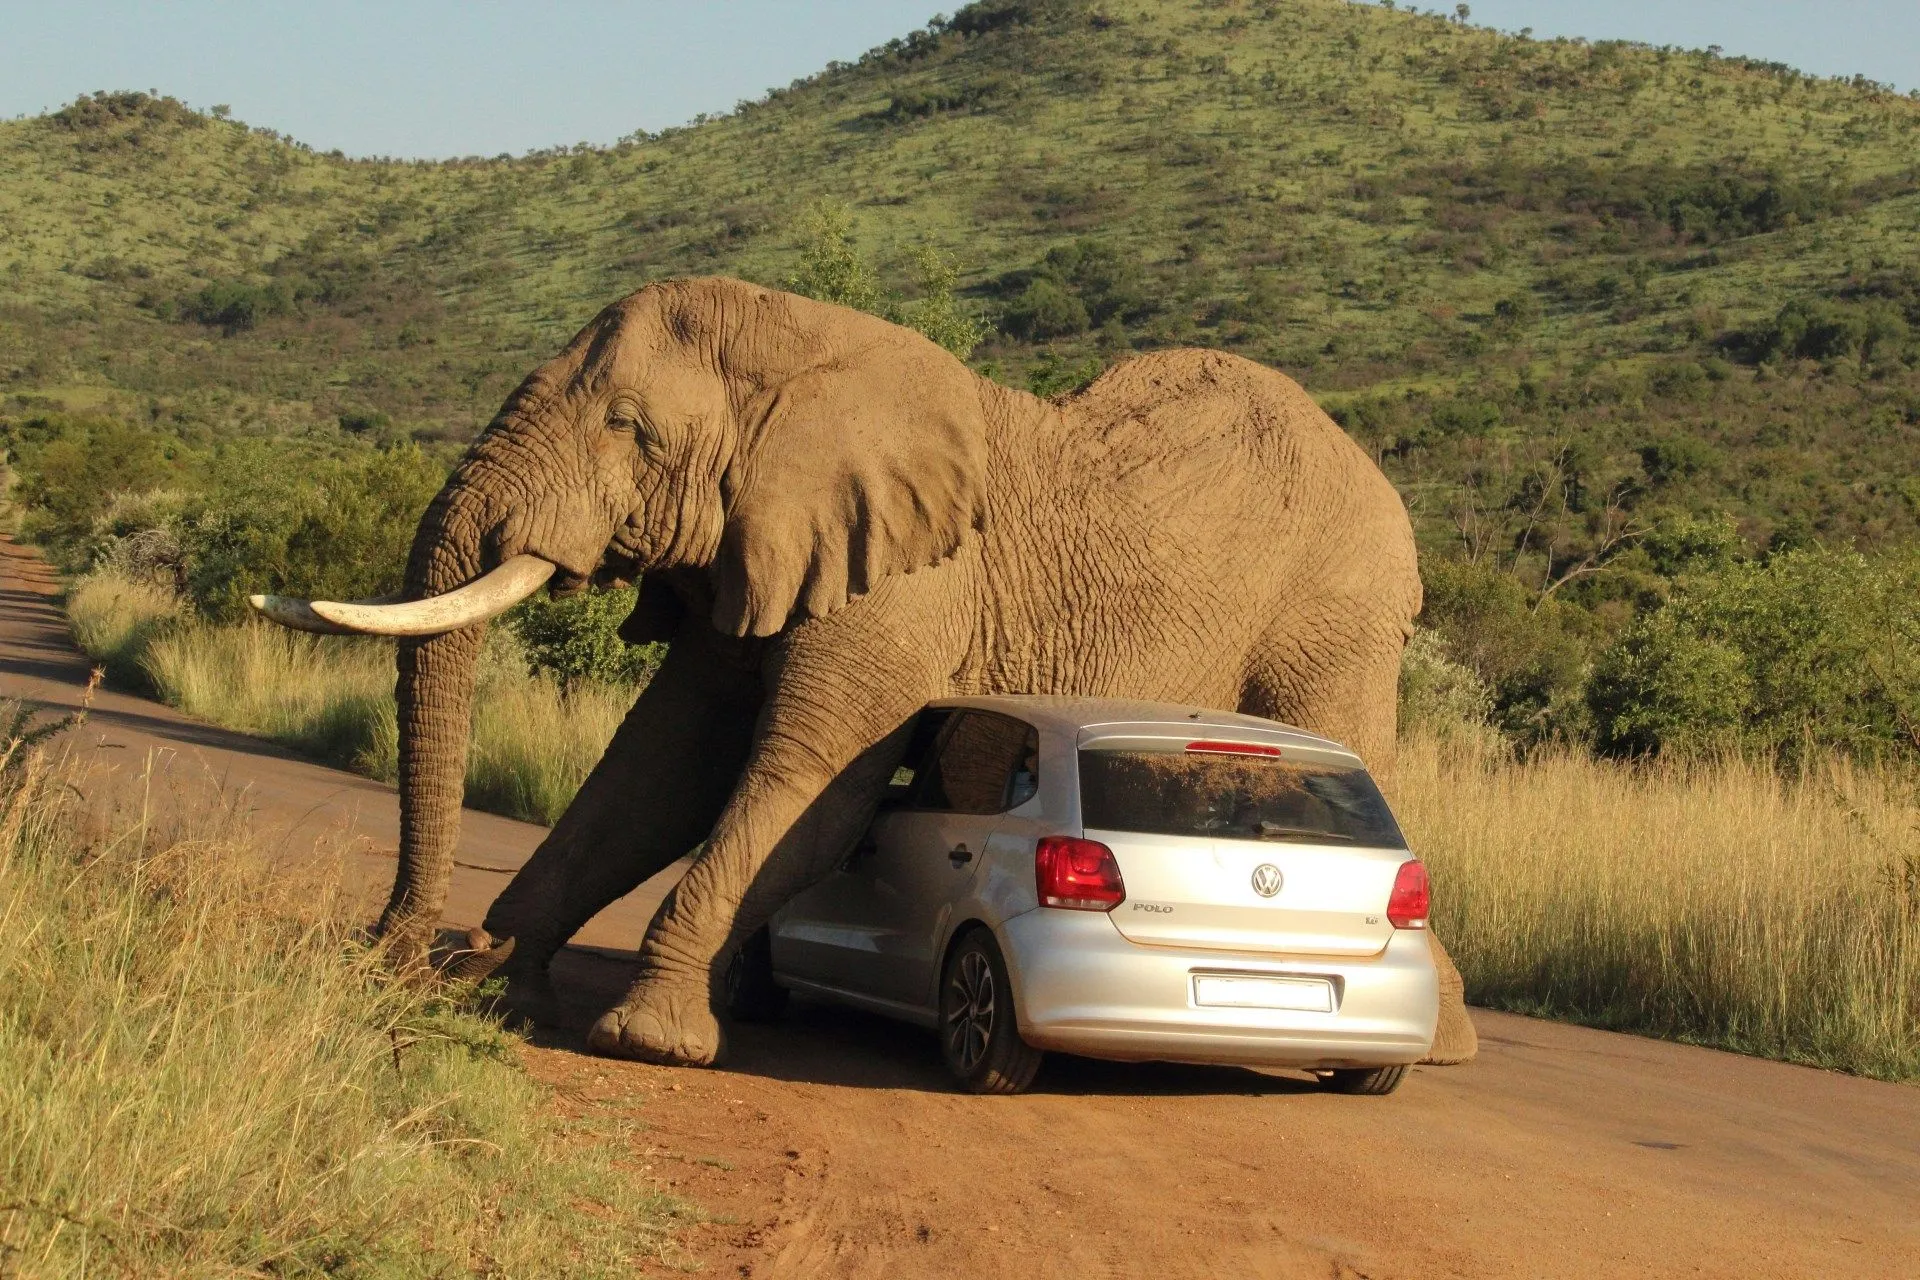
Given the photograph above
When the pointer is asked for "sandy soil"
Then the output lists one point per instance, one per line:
(830, 1144)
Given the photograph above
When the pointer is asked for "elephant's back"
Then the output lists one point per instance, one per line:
(1228, 433)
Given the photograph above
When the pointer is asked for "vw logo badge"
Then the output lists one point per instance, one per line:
(1266, 879)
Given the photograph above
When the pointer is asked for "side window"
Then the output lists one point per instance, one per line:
(982, 763)
(913, 762)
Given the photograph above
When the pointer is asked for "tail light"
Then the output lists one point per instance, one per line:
(1080, 875)
(1408, 904)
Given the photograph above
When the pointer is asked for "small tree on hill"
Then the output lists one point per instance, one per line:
(833, 270)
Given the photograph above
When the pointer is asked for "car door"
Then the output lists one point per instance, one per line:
(828, 933)
(873, 927)
(925, 853)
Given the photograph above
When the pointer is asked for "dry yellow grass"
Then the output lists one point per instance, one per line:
(330, 697)
(203, 1072)
(1720, 902)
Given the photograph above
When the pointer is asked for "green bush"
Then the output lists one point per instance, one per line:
(1079, 285)
(335, 527)
(1810, 648)
(1829, 329)
(1438, 694)
(1047, 309)
(1531, 654)
(832, 269)
(72, 467)
(576, 638)
(1683, 544)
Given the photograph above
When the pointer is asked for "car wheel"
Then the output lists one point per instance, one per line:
(752, 994)
(979, 1036)
(1366, 1081)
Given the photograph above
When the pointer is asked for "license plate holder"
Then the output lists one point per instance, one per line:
(1259, 991)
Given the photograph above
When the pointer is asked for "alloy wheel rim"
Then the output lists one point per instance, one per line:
(970, 1010)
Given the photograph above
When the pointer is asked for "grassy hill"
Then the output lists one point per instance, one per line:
(1565, 291)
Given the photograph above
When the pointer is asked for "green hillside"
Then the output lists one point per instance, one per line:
(1565, 291)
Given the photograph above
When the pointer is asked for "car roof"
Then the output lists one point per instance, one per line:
(1120, 716)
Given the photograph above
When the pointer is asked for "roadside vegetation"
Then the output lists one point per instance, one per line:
(543, 712)
(1719, 900)
(205, 1071)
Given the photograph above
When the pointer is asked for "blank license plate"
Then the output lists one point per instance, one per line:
(1306, 995)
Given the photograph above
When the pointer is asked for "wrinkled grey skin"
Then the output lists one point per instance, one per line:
(834, 521)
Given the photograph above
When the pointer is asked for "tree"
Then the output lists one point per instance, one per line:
(937, 312)
(831, 268)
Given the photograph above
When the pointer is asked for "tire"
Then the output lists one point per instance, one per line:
(979, 1034)
(1371, 1082)
(752, 994)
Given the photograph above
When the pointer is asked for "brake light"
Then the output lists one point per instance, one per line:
(1407, 905)
(1235, 748)
(1079, 875)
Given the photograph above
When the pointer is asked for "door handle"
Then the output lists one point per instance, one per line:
(960, 854)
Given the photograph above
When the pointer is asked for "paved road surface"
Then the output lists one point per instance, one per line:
(830, 1146)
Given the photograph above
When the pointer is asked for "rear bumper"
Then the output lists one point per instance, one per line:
(1080, 987)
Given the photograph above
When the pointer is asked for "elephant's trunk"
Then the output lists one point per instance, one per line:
(435, 705)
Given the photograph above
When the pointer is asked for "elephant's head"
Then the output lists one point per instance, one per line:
(788, 452)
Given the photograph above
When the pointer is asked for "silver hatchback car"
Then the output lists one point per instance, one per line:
(1123, 880)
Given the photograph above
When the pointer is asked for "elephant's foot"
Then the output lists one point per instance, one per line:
(1454, 1040)
(664, 1020)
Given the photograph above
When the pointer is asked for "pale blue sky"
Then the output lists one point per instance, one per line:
(464, 77)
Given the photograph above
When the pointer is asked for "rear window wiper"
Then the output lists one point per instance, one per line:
(1274, 831)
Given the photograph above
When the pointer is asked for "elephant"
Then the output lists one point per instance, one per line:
(833, 521)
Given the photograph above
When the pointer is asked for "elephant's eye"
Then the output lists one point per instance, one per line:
(624, 415)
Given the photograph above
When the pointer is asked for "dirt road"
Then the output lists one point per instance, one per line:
(830, 1145)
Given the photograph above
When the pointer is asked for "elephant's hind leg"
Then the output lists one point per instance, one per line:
(1342, 678)
(1454, 1040)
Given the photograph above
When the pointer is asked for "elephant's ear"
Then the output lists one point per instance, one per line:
(869, 465)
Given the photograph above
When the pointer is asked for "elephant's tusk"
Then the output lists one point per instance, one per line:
(487, 596)
(289, 612)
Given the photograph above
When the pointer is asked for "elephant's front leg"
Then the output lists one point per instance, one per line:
(842, 688)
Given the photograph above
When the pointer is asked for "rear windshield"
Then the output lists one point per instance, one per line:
(1234, 797)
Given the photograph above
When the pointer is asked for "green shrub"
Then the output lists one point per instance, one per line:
(1811, 648)
(1532, 654)
(1046, 309)
(1829, 329)
(1437, 694)
(337, 528)
(1687, 544)
(237, 305)
(1079, 285)
(832, 269)
(831, 266)
(937, 312)
(576, 638)
(1678, 457)
(72, 467)
(1052, 376)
